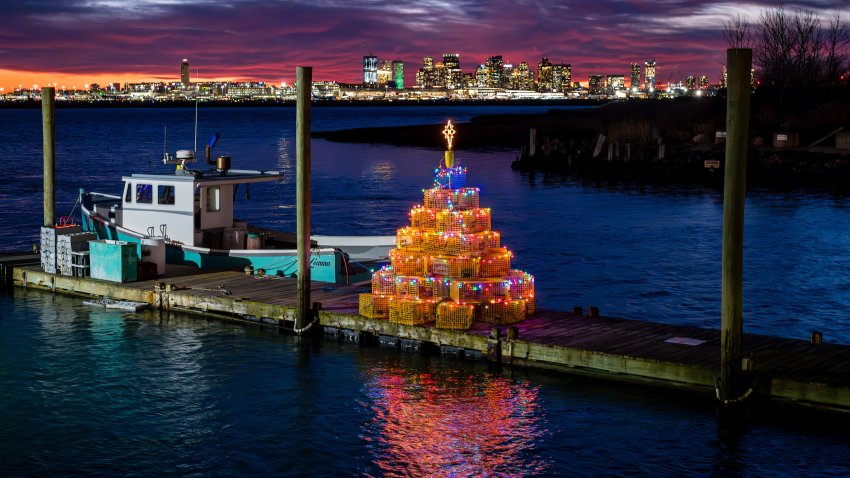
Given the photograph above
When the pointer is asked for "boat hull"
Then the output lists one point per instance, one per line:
(326, 264)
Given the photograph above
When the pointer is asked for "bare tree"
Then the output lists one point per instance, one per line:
(738, 33)
(797, 57)
(837, 44)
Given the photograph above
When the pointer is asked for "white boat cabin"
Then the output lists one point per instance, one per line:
(184, 206)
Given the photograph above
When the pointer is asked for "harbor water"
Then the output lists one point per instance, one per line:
(89, 392)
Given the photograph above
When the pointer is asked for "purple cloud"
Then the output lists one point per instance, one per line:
(265, 40)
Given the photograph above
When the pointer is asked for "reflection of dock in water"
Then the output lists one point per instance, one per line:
(800, 372)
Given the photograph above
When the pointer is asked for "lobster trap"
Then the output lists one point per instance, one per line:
(375, 306)
(423, 219)
(411, 311)
(409, 238)
(450, 177)
(408, 263)
(451, 315)
(495, 263)
(463, 221)
(502, 312)
(453, 266)
(478, 290)
(383, 281)
(461, 198)
(415, 287)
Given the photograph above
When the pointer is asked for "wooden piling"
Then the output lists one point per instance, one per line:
(48, 128)
(304, 78)
(739, 62)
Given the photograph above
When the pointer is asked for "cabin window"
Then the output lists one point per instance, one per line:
(213, 199)
(165, 194)
(144, 193)
(128, 192)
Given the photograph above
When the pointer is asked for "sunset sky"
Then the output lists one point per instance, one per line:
(73, 42)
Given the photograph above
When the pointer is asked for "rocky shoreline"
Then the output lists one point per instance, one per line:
(654, 141)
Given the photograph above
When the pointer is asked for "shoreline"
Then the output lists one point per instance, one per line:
(32, 104)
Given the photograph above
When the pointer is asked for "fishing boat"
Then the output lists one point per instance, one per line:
(190, 214)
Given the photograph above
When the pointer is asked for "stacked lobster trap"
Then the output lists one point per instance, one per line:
(449, 266)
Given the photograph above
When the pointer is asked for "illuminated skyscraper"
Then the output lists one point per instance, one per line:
(595, 84)
(184, 72)
(426, 76)
(635, 77)
(398, 74)
(523, 78)
(451, 62)
(439, 75)
(482, 76)
(691, 82)
(385, 73)
(495, 64)
(649, 74)
(370, 70)
(544, 75)
(561, 77)
(615, 83)
(724, 77)
(703, 82)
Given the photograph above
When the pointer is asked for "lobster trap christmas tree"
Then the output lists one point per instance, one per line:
(448, 264)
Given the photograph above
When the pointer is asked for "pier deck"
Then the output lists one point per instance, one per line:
(785, 370)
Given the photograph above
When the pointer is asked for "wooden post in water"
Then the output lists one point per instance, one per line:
(739, 62)
(48, 128)
(304, 78)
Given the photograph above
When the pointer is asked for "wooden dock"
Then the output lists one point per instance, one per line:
(783, 370)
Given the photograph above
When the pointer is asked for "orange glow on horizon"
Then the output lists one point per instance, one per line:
(10, 79)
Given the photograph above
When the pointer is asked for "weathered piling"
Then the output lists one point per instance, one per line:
(303, 315)
(739, 61)
(48, 127)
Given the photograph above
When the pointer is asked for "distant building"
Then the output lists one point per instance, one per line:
(184, 72)
(370, 70)
(561, 77)
(544, 75)
(482, 75)
(495, 65)
(703, 82)
(454, 76)
(426, 76)
(522, 78)
(385, 73)
(595, 84)
(635, 77)
(398, 74)
(649, 74)
(615, 83)
(690, 82)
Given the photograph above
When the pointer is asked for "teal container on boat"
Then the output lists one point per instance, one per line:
(115, 261)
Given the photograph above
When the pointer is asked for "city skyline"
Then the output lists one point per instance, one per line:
(71, 43)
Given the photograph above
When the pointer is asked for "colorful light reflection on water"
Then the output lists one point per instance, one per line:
(453, 423)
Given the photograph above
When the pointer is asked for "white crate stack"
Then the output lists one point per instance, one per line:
(72, 252)
(49, 258)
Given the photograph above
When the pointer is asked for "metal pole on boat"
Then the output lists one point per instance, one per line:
(304, 79)
(48, 109)
(739, 62)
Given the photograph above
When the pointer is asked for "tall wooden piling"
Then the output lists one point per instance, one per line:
(304, 79)
(48, 128)
(739, 63)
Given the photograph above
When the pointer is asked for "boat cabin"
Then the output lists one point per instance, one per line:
(184, 207)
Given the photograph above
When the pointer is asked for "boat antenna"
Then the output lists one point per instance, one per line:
(197, 75)
(165, 142)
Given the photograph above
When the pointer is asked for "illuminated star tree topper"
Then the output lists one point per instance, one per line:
(449, 133)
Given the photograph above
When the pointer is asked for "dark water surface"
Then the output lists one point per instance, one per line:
(88, 392)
